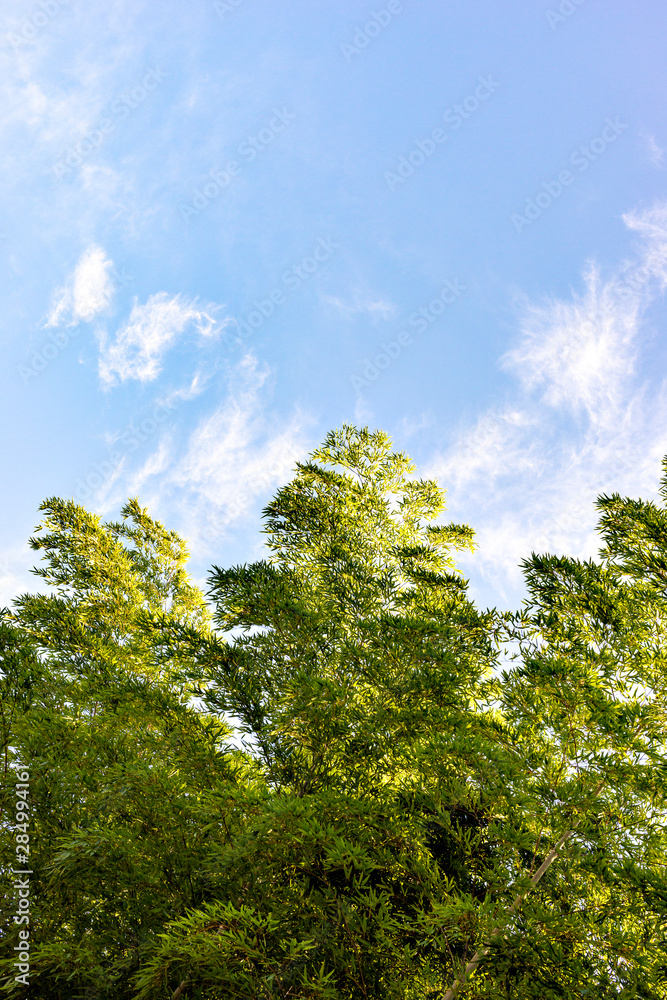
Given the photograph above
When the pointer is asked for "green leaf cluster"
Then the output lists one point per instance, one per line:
(337, 777)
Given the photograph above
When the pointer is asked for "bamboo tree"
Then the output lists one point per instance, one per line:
(407, 819)
(592, 676)
(125, 775)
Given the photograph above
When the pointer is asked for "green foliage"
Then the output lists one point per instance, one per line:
(109, 580)
(125, 775)
(588, 698)
(356, 635)
(403, 808)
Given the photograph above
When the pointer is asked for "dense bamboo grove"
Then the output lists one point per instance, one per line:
(428, 799)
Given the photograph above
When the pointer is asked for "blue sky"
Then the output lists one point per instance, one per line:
(227, 227)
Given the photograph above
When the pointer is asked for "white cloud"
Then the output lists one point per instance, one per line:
(655, 152)
(197, 385)
(156, 465)
(578, 353)
(87, 294)
(139, 346)
(494, 447)
(373, 306)
(651, 268)
(236, 455)
(15, 574)
(413, 425)
(578, 422)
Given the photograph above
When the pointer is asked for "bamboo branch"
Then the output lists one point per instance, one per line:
(482, 952)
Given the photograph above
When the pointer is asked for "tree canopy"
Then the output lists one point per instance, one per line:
(334, 776)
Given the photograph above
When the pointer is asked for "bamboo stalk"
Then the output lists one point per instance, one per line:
(483, 951)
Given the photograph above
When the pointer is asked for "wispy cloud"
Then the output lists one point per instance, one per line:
(138, 348)
(651, 267)
(578, 354)
(87, 294)
(236, 455)
(578, 421)
(411, 425)
(15, 574)
(656, 153)
(376, 307)
(198, 384)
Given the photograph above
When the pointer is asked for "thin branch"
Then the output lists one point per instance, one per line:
(482, 952)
